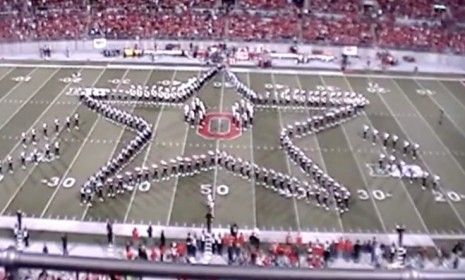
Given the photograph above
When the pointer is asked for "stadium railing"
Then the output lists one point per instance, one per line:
(13, 260)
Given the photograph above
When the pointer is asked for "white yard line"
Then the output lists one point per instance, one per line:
(146, 156)
(20, 82)
(429, 127)
(318, 149)
(380, 150)
(120, 136)
(173, 196)
(8, 72)
(27, 100)
(217, 146)
(76, 156)
(281, 126)
(52, 197)
(375, 206)
(147, 153)
(19, 143)
(451, 94)
(251, 148)
(419, 156)
(454, 122)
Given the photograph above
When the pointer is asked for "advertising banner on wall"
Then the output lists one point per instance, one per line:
(350, 50)
(100, 43)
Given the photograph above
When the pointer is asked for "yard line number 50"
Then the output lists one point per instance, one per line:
(207, 189)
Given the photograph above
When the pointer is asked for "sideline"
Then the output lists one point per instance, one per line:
(177, 232)
(246, 68)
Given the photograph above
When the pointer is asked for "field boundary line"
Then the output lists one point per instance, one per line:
(237, 68)
(172, 232)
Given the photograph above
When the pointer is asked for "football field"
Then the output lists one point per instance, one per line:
(406, 106)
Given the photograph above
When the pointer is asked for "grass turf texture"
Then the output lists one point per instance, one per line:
(378, 204)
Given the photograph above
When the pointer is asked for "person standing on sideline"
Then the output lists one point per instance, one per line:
(149, 233)
(109, 233)
(64, 244)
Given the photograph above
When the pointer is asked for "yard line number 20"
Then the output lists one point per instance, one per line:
(448, 195)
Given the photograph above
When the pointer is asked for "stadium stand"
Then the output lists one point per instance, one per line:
(264, 4)
(255, 27)
(335, 7)
(344, 31)
(412, 36)
(330, 22)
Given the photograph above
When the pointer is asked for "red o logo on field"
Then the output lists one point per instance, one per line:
(219, 126)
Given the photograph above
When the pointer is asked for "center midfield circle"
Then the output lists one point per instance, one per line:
(205, 131)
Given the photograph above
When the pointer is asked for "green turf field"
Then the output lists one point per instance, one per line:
(407, 107)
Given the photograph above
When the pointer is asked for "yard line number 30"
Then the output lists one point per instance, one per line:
(69, 182)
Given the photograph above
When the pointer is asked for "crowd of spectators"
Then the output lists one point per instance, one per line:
(339, 22)
(335, 7)
(251, 27)
(137, 24)
(344, 31)
(264, 4)
(238, 248)
(419, 37)
(293, 252)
